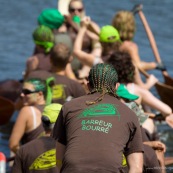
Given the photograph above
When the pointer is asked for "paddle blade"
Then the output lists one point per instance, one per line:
(6, 110)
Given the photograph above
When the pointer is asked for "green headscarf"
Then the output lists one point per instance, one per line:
(44, 37)
(51, 18)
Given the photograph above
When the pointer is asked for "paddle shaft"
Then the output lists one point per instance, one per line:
(150, 36)
(152, 41)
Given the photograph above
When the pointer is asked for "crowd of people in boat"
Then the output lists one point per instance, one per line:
(82, 104)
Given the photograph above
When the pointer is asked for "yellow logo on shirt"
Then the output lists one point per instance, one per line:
(58, 92)
(45, 161)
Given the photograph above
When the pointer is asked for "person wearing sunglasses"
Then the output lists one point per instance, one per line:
(28, 124)
(73, 20)
(76, 8)
(39, 154)
(64, 88)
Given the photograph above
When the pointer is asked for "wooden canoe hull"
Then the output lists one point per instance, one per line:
(166, 93)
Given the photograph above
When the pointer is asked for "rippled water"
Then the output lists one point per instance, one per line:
(19, 18)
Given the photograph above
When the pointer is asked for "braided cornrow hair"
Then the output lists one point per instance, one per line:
(102, 78)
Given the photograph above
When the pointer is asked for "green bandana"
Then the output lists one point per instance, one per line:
(49, 90)
(47, 45)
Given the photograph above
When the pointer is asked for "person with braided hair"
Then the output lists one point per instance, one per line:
(110, 41)
(95, 131)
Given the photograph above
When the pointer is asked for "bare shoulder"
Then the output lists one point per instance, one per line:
(129, 43)
(32, 59)
(25, 111)
(32, 63)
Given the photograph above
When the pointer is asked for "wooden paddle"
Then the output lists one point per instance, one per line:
(138, 9)
(6, 110)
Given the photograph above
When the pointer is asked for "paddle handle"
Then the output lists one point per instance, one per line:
(150, 36)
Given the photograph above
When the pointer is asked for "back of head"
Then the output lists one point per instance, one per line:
(44, 37)
(103, 78)
(124, 22)
(65, 39)
(50, 115)
(110, 39)
(60, 55)
(51, 18)
(122, 62)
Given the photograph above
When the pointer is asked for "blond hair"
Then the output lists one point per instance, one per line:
(124, 22)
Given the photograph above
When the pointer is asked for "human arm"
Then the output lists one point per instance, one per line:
(31, 64)
(135, 162)
(132, 48)
(85, 58)
(69, 72)
(149, 99)
(60, 150)
(69, 21)
(150, 81)
(93, 30)
(169, 120)
(134, 147)
(93, 27)
(18, 131)
(156, 145)
(159, 149)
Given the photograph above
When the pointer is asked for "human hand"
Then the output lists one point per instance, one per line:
(68, 18)
(169, 120)
(156, 145)
(151, 80)
(85, 21)
(160, 158)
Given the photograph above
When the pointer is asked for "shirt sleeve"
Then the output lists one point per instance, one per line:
(59, 130)
(135, 143)
(17, 166)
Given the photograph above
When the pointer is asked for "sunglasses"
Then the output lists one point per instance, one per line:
(26, 91)
(72, 10)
